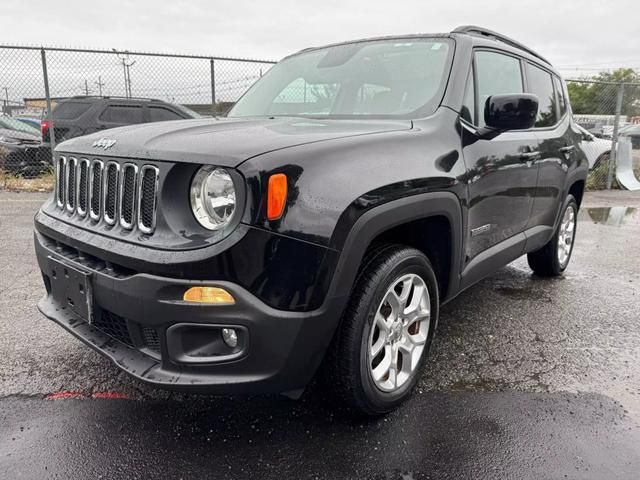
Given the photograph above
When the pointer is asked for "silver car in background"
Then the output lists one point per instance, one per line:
(596, 149)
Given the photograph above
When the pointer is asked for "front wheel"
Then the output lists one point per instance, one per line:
(385, 333)
(553, 259)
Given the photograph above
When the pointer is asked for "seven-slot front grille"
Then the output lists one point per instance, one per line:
(108, 191)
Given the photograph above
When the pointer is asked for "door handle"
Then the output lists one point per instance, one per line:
(567, 149)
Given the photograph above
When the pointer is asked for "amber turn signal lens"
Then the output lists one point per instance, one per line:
(276, 195)
(213, 295)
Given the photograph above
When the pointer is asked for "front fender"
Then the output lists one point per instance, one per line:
(354, 243)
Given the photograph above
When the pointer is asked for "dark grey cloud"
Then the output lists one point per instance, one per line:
(578, 36)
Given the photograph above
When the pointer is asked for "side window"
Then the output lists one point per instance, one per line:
(541, 84)
(562, 101)
(160, 114)
(496, 74)
(468, 111)
(70, 110)
(123, 114)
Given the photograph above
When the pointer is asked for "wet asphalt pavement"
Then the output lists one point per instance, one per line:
(528, 378)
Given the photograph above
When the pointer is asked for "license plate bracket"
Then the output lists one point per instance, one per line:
(71, 287)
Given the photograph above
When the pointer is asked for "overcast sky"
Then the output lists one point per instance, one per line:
(578, 36)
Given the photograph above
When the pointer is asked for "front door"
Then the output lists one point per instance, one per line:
(502, 170)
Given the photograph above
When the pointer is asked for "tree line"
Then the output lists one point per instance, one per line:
(600, 98)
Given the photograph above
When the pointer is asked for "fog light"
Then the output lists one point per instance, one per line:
(230, 337)
(214, 295)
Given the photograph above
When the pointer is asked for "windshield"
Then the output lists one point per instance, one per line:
(382, 78)
(13, 124)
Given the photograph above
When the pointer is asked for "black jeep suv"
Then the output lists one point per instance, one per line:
(350, 192)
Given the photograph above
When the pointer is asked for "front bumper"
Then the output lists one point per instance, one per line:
(283, 351)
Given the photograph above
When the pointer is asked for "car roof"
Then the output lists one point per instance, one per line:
(480, 36)
(111, 98)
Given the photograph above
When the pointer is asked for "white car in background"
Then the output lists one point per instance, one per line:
(596, 149)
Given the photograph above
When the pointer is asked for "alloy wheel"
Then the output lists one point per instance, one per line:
(399, 332)
(566, 236)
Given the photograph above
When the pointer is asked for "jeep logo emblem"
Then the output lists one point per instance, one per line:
(105, 143)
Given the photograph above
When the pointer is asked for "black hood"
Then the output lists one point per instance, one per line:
(224, 142)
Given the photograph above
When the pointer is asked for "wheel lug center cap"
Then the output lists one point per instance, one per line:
(395, 332)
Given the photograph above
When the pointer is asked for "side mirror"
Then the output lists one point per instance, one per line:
(516, 111)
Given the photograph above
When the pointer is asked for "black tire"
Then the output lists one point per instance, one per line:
(346, 370)
(545, 262)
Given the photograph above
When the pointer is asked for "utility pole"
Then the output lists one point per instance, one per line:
(126, 65)
(129, 65)
(6, 101)
(86, 88)
(99, 84)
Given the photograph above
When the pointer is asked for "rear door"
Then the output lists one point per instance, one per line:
(557, 144)
(501, 169)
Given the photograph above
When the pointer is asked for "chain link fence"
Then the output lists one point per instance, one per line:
(609, 114)
(34, 81)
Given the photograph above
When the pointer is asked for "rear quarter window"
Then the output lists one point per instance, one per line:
(70, 110)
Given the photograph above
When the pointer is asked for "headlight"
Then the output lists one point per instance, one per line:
(213, 197)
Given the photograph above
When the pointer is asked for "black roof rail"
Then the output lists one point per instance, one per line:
(485, 32)
(119, 97)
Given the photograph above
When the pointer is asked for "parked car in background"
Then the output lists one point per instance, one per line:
(633, 133)
(84, 115)
(606, 131)
(32, 122)
(596, 149)
(19, 144)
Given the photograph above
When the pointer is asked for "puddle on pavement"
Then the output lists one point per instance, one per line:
(611, 216)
